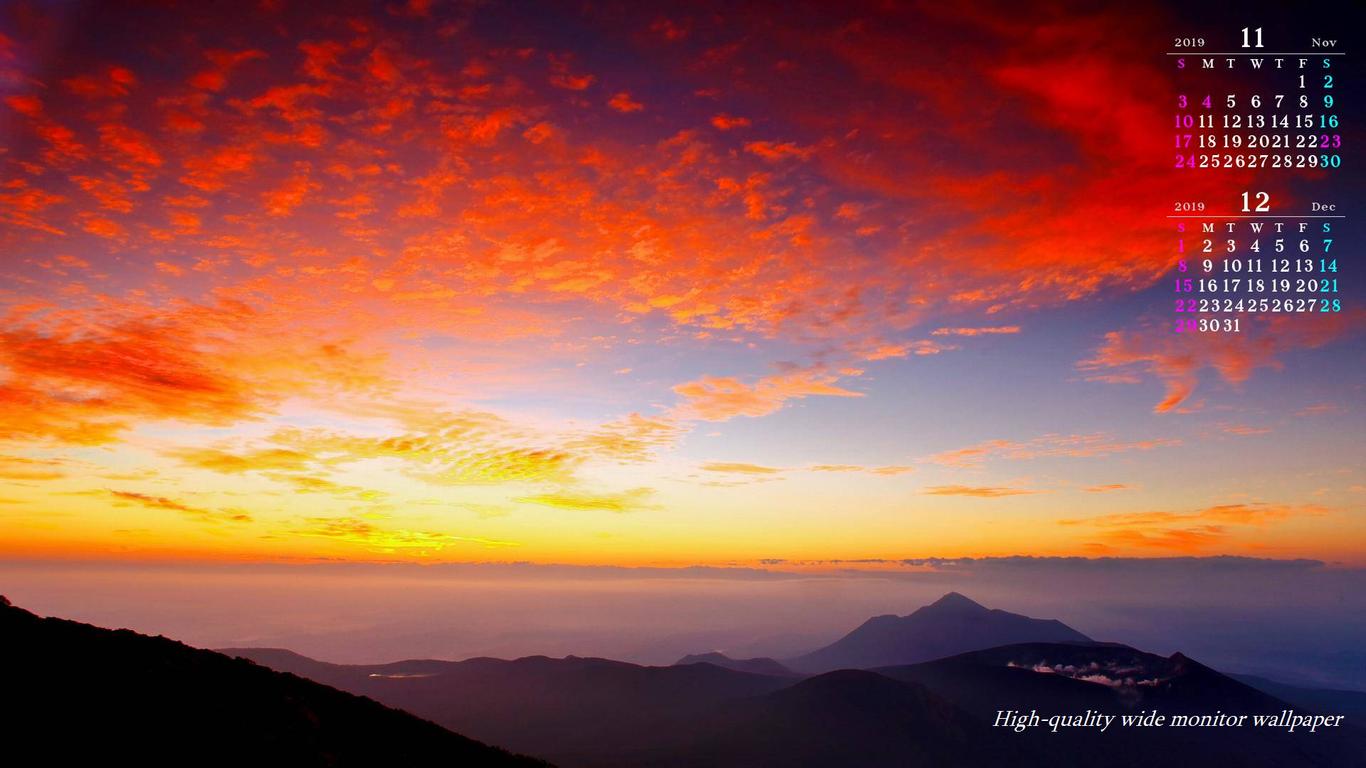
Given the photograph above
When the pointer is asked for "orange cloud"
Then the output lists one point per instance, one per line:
(462, 450)
(282, 200)
(739, 467)
(1243, 430)
(1178, 358)
(82, 386)
(889, 470)
(24, 468)
(132, 145)
(223, 461)
(194, 513)
(111, 195)
(714, 398)
(112, 82)
(211, 172)
(215, 77)
(633, 438)
(83, 376)
(1071, 446)
(875, 351)
(101, 226)
(355, 530)
(1000, 329)
(563, 76)
(724, 122)
(770, 150)
(977, 491)
(625, 501)
(1191, 532)
(439, 448)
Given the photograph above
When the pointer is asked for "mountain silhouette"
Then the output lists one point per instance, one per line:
(759, 666)
(81, 695)
(951, 625)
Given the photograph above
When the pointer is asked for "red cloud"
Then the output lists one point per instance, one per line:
(622, 102)
(215, 78)
(724, 122)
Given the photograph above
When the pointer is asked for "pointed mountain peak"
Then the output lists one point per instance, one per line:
(955, 601)
(1182, 661)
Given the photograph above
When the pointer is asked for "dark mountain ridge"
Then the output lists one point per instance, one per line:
(83, 695)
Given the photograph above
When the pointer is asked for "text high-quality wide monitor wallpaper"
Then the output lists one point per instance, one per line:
(608, 384)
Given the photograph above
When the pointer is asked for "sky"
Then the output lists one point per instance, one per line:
(602, 284)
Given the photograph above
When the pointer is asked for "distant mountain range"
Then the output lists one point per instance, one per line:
(710, 710)
(759, 666)
(950, 625)
(80, 695)
(1350, 703)
(571, 711)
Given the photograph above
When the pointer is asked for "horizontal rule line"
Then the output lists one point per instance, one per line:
(1234, 216)
(1206, 53)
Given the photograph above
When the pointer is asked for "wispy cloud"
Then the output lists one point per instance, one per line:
(714, 398)
(739, 468)
(985, 331)
(978, 491)
(624, 501)
(1071, 446)
(195, 513)
(363, 532)
(1189, 532)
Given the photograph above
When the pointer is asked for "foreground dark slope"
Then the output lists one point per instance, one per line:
(953, 624)
(82, 695)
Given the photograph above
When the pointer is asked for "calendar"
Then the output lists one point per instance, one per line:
(1267, 113)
